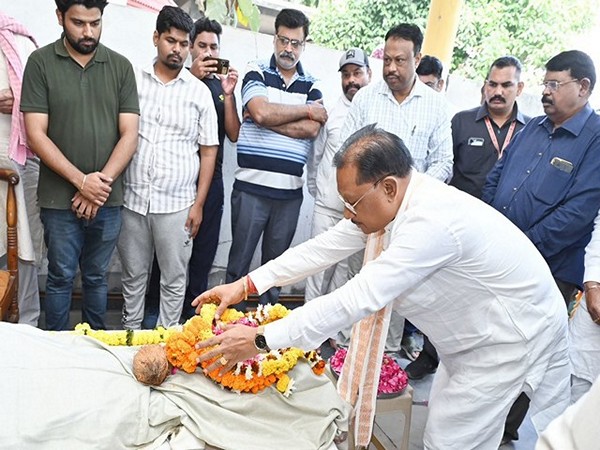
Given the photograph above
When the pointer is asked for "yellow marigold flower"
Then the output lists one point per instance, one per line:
(282, 383)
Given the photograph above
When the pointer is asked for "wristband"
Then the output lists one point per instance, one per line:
(245, 283)
(309, 115)
(83, 183)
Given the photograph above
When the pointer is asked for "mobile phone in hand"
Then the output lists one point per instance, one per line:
(222, 65)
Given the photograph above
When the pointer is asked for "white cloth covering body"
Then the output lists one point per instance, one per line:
(62, 391)
(472, 282)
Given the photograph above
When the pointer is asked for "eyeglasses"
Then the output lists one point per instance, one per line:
(286, 41)
(352, 206)
(553, 86)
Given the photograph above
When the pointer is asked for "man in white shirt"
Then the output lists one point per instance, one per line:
(321, 183)
(486, 300)
(177, 148)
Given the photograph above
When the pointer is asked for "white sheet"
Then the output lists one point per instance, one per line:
(60, 391)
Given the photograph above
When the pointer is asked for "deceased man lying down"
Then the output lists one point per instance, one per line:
(62, 391)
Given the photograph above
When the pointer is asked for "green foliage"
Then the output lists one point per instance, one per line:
(532, 30)
(363, 23)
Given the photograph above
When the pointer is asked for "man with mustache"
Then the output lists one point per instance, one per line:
(479, 137)
(481, 134)
(547, 182)
(402, 104)
(81, 113)
(282, 115)
(321, 182)
(168, 179)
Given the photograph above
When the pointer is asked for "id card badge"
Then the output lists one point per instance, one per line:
(475, 142)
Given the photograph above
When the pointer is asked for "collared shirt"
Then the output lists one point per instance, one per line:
(321, 178)
(83, 105)
(547, 184)
(422, 121)
(443, 273)
(176, 118)
(474, 151)
(271, 164)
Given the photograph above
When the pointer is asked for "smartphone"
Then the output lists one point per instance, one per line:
(222, 65)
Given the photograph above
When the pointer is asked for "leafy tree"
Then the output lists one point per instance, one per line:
(532, 30)
(363, 23)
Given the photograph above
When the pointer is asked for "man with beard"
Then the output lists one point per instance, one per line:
(481, 134)
(321, 182)
(81, 114)
(546, 182)
(168, 179)
(282, 115)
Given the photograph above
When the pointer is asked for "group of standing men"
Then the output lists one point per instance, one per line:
(152, 143)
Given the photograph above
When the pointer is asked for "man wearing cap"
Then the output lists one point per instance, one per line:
(321, 181)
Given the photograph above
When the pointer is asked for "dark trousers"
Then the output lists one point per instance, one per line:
(253, 216)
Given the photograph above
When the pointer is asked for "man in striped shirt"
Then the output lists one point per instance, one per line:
(282, 115)
(169, 176)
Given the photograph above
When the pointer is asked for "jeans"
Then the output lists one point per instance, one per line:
(74, 242)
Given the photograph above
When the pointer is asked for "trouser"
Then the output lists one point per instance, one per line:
(518, 410)
(253, 216)
(204, 247)
(74, 242)
(140, 237)
(334, 276)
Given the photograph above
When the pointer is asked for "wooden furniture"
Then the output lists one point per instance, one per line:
(9, 279)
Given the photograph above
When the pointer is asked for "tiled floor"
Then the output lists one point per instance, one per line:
(388, 427)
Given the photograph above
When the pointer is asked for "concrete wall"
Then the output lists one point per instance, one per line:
(129, 31)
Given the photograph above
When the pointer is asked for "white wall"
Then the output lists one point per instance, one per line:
(129, 31)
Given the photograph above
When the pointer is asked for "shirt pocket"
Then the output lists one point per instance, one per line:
(553, 185)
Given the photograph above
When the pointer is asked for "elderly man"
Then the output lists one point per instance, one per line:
(487, 301)
(329, 210)
(282, 115)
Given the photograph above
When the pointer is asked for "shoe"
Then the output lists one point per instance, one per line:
(420, 367)
(411, 347)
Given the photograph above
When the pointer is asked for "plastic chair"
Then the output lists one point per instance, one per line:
(9, 279)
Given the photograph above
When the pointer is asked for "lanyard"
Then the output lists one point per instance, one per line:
(492, 134)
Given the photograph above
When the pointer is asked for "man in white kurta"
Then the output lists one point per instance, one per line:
(461, 272)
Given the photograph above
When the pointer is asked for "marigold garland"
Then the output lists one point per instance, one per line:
(253, 375)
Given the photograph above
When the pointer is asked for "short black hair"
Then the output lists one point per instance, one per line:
(507, 61)
(579, 63)
(64, 5)
(430, 65)
(292, 18)
(408, 32)
(205, 24)
(375, 153)
(173, 17)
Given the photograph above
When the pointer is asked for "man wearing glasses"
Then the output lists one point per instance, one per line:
(283, 113)
(547, 181)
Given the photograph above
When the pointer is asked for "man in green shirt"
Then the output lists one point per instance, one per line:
(81, 112)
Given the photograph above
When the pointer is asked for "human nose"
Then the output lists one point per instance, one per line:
(88, 31)
(347, 213)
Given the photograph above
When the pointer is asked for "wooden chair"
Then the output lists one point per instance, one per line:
(9, 279)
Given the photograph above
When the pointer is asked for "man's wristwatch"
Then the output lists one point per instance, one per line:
(260, 342)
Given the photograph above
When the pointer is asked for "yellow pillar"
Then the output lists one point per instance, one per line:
(442, 26)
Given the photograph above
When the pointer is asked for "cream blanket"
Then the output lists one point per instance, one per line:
(61, 391)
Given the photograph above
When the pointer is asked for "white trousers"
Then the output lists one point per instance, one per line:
(142, 236)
